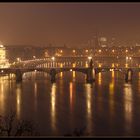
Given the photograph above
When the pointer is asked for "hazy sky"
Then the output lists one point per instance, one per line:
(69, 23)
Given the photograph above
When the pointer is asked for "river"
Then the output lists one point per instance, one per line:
(108, 107)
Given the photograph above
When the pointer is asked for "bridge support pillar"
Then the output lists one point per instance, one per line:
(53, 75)
(18, 76)
(128, 75)
(90, 75)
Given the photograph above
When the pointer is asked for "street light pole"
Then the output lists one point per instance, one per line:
(130, 58)
(53, 58)
(126, 62)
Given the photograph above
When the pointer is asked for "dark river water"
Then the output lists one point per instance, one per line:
(108, 107)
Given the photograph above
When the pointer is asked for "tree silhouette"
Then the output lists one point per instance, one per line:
(9, 126)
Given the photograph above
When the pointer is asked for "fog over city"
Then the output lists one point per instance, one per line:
(68, 23)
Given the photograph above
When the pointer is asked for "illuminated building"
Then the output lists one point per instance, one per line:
(4, 63)
(103, 41)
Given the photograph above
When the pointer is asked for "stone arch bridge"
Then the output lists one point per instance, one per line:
(89, 71)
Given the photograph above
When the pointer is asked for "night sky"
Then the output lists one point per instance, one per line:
(68, 23)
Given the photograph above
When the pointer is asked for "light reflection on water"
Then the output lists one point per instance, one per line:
(128, 105)
(18, 100)
(89, 106)
(2, 103)
(72, 101)
(139, 82)
(71, 97)
(35, 96)
(109, 99)
(112, 97)
(99, 92)
(53, 107)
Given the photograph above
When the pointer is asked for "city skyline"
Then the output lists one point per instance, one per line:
(69, 69)
(68, 23)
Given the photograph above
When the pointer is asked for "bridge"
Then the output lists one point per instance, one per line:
(79, 61)
(89, 71)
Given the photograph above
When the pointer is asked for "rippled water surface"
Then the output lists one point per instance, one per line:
(107, 107)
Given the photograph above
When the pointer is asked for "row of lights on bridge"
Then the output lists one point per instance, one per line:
(128, 58)
(53, 58)
(99, 51)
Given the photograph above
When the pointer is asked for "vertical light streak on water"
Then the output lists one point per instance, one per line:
(2, 97)
(71, 96)
(128, 105)
(35, 96)
(18, 100)
(89, 107)
(53, 107)
(139, 82)
(111, 94)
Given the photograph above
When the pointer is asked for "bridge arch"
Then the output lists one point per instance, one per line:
(100, 70)
(90, 73)
(127, 72)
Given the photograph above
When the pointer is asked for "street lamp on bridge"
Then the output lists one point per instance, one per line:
(18, 59)
(90, 61)
(34, 57)
(1, 46)
(89, 58)
(53, 58)
(127, 59)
